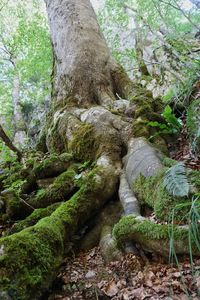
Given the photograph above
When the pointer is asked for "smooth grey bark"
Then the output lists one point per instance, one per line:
(82, 61)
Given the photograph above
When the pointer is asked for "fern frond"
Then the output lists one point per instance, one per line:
(175, 181)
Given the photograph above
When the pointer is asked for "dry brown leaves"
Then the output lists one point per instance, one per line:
(87, 277)
(181, 150)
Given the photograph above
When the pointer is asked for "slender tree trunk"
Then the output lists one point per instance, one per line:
(19, 124)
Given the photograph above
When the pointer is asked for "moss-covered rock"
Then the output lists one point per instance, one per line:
(193, 124)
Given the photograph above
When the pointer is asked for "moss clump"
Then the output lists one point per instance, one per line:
(140, 127)
(14, 173)
(168, 162)
(146, 104)
(31, 220)
(158, 199)
(57, 191)
(147, 109)
(154, 237)
(16, 208)
(83, 145)
(129, 225)
(52, 165)
(193, 124)
(28, 257)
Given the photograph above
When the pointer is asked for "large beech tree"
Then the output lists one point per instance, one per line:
(100, 118)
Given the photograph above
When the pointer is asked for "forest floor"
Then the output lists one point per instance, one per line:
(181, 149)
(86, 277)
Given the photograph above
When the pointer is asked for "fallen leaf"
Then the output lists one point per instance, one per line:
(111, 290)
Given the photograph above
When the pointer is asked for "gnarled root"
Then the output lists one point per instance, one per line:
(144, 161)
(154, 237)
(30, 257)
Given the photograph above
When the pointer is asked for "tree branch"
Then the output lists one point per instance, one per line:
(181, 10)
(3, 5)
(9, 143)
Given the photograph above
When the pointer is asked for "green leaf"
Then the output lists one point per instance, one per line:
(171, 118)
(175, 181)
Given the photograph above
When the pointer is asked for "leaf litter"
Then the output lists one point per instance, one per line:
(87, 277)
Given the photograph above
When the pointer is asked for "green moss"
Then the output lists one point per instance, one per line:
(110, 144)
(147, 109)
(63, 185)
(30, 255)
(16, 208)
(14, 173)
(57, 191)
(168, 162)
(140, 127)
(52, 165)
(33, 218)
(30, 258)
(158, 199)
(143, 110)
(83, 145)
(33, 254)
(129, 225)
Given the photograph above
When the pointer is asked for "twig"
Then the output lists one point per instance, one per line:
(27, 204)
(3, 5)
(181, 10)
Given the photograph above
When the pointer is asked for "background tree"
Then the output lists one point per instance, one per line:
(25, 66)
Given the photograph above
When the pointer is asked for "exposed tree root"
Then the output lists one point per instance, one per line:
(31, 220)
(154, 237)
(135, 228)
(30, 257)
(109, 215)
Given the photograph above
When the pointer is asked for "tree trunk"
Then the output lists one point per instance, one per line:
(19, 124)
(82, 62)
(87, 121)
